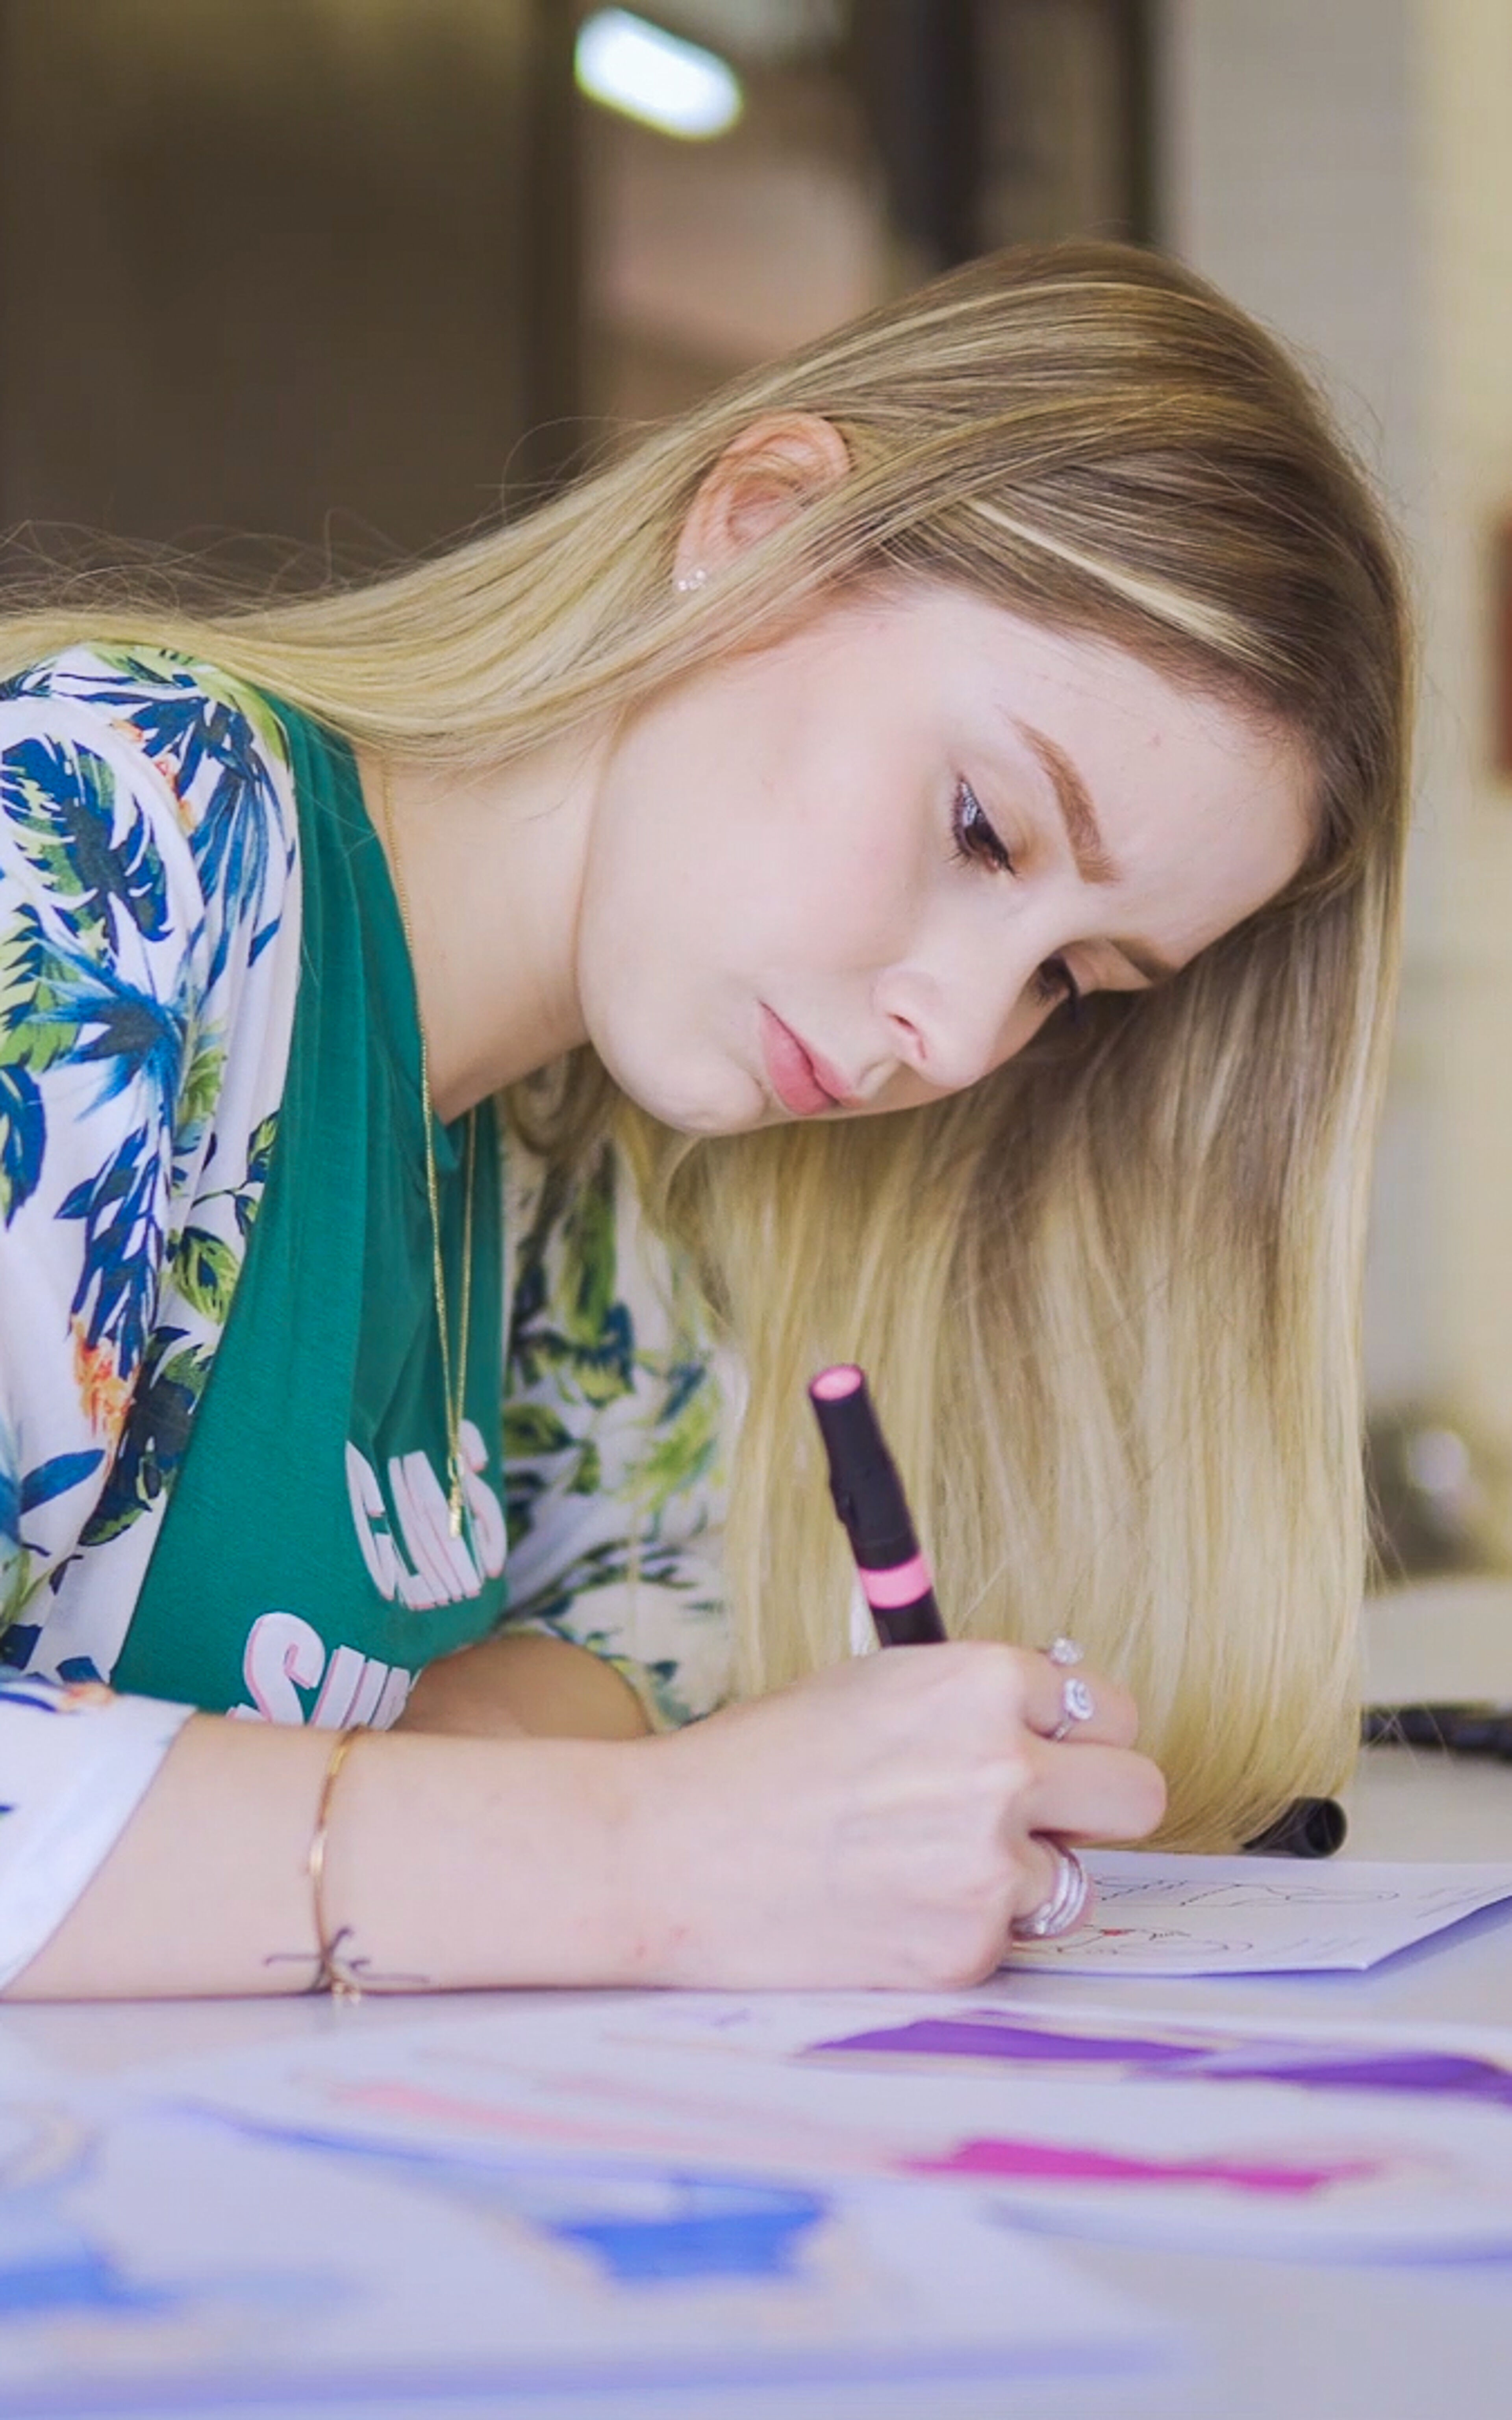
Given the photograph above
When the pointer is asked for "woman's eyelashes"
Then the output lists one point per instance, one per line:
(975, 842)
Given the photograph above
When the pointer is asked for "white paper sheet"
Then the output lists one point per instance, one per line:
(156, 2254)
(1243, 2139)
(1260, 1915)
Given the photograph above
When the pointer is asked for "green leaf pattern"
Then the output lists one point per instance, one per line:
(614, 1443)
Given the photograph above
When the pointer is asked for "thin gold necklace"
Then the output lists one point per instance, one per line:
(456, 1396)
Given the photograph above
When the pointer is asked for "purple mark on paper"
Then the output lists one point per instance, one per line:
(1309, 2066)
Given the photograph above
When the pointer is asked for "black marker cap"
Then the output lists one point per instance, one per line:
(1309, 1828)
(863, 1477)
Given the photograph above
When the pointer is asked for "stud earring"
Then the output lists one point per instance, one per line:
(688, 580)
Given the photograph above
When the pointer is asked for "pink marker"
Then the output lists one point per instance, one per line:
(895, 1575)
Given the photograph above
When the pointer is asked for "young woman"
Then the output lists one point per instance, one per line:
(914, 851)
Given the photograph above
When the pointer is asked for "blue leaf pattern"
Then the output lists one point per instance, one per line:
(146, 833)
(61, 801)
(193, 735)
(56, 1476)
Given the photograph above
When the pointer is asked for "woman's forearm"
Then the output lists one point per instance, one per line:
(524, 1683)
(448, 1862)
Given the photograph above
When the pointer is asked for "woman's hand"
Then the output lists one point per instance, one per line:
(876, 1824)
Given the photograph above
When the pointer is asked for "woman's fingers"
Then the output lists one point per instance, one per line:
(1076, 1703)
(1098, 1793)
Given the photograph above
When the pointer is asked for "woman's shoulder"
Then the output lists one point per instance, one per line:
(115, 733)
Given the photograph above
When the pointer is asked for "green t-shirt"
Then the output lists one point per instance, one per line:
(305, 1569)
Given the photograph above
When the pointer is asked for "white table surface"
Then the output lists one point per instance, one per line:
(1270, 2340)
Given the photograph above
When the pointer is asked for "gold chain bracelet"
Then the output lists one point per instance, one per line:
(332, 1974)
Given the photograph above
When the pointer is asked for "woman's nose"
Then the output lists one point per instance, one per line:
(951, 1032)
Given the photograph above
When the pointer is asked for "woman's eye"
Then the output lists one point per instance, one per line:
(975, 841)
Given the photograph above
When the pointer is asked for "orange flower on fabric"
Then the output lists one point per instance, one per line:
(104, 1394)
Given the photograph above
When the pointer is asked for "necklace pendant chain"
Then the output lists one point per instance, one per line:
(454, 1394)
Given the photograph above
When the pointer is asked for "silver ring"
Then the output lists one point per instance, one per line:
(1063, 1651)
(1067, 1904)
(1077, 1705)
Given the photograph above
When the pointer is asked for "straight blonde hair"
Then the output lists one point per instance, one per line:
(1110, 1298)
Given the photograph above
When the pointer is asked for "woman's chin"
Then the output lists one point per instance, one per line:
(736, 1108)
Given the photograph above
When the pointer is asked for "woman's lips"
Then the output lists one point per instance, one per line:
(793, 1073)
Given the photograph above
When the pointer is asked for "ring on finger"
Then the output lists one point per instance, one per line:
(1063, 1651)
(1071, 1895)
(1077, 1705)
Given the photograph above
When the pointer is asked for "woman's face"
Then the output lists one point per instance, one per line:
(859, 868)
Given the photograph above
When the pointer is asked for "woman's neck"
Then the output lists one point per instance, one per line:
(491, 874)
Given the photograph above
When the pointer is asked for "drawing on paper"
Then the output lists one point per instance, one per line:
(1171, 1914)
(129, 2237)
(637, 2224)
(71, 2294)
(509, 2153)
(52, 2267)
(1313, 2067)
(990, 2158)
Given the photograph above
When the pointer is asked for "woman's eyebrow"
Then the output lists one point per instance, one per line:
(1077, 813)
(1084, 832)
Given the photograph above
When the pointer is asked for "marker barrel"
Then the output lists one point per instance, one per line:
(869, 1498)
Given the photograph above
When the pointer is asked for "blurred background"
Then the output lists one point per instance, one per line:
(352, 273)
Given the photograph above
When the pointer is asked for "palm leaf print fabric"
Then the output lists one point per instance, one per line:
(141, 930)
(149, 960)
(613, 1444)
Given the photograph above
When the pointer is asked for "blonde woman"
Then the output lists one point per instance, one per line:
(913, 852)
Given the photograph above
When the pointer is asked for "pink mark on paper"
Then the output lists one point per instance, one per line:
(1074, 2164)
(399, 2100)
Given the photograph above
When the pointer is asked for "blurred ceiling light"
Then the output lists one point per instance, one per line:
(630, 65)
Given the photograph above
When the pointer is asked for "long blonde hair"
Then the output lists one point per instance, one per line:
(1109, 1298)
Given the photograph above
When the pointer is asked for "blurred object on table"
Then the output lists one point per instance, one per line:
(1484, 1728)
(1438, 1495)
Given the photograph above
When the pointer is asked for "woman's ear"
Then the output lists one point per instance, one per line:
(764, 477)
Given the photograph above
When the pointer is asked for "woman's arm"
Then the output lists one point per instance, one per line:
(876, 1825)
(448, 1862)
